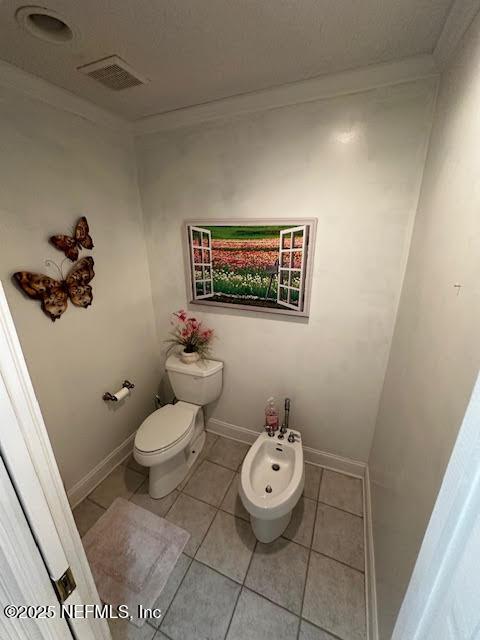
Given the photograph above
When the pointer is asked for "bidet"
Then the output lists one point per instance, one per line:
(271, 482)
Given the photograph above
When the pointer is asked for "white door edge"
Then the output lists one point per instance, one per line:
(30, 436)
(24, 578)
(433, 595)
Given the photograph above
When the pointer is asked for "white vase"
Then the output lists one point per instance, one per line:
(189, 358)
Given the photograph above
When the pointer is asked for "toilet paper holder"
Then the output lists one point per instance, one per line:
(110, 396)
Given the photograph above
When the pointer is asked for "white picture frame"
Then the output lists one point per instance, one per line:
(260, 264)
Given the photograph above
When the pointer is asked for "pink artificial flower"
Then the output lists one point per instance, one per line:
(206, 334)
(190, 332)
(193, 323)
(181, 315)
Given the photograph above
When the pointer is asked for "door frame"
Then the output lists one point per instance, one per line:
(451, 523)
(24, 575)
(24, 436)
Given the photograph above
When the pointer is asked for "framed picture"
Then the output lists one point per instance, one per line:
(260, 265)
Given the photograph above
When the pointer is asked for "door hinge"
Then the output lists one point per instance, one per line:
(64, 586)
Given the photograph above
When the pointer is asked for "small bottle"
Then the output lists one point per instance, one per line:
(271, 415)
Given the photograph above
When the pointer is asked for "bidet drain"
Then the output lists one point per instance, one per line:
(275, 467)
(268, 489)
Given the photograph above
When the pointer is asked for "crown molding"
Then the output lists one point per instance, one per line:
(39, 89)
(326, 86)
(461, 16)
(321, 87)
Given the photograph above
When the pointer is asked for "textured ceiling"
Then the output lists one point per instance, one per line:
(195, 51)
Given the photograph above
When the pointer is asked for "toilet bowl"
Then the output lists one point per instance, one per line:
(271, 483)
(163, 444)
(170, 439)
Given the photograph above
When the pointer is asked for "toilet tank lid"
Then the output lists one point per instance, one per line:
(200, 369)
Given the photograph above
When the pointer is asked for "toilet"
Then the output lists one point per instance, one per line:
(171, 438)
(271, 482)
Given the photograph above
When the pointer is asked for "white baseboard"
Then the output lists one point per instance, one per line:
(321, 458)
(370, 580)
(327, 460)
(88, 483)
(220, 428)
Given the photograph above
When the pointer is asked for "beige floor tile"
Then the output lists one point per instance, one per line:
(192, 470)
(131, 463)
(160, 507)
(123, 630)
(313, 475)
(193, 516)
(86, 514)
(335, 598)
(339, 535)
(301, 525)
(203, 606)
(209, 483)
(228, 546)
(258, 619)
(309, 632)
(121, 483)
(342, 491)
(170, 589)
(278, 572)
(228, 453)
(210, 439)
(232, 502)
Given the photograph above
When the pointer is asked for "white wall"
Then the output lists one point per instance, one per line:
(436, 348)
(54, 167)
(289, 162)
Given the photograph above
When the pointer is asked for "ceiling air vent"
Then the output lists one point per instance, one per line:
(113, 73)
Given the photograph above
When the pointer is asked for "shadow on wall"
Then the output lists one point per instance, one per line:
(165, 391)
(254, 315)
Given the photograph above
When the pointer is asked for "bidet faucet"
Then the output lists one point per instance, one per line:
(286, 417)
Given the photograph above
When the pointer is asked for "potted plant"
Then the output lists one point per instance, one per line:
(190, 334)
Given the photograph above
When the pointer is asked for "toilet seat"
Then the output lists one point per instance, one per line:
(165, 429)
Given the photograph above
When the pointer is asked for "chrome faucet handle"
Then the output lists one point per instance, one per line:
(286, 417)
(291, 437)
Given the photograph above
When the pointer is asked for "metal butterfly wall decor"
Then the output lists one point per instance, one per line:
(54, 294)
(70, 245)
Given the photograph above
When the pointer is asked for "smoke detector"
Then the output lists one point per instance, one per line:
(113, 72)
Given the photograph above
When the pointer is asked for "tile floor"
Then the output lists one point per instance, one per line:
(307, 585)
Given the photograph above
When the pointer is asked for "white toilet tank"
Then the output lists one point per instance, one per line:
(197, 383)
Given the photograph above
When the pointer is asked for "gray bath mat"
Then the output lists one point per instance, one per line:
(132, 552)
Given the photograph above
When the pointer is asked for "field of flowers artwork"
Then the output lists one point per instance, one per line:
(256, 265)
